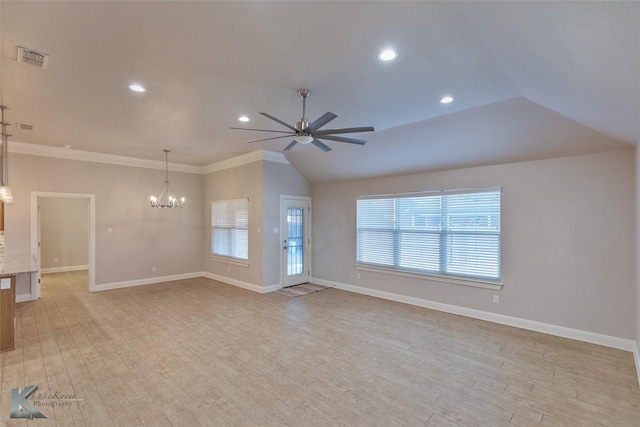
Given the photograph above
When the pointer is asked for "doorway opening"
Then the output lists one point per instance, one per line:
(38, 199)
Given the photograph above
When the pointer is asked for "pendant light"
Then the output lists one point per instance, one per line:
(5, 191)
(166, 199)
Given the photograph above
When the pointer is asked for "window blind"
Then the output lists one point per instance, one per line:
(454, 233)
(230, 228)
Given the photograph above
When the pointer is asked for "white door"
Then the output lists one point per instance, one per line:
(296, 240)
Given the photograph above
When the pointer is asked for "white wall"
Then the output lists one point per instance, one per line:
(64, 233)
(170, 239)
(568, 249)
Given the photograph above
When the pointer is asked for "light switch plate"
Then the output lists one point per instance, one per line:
(5, 283)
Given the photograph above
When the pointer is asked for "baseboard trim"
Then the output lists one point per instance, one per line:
(23, 298)
(152, 280)
(636, 355)
(561, 331)
(63, 269)
(239, 283)
(147, 281)
(271, 288)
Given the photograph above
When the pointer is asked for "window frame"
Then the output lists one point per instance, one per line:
(436, 251)
(234, 224)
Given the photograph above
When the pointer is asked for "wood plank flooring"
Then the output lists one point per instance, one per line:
(201, 353)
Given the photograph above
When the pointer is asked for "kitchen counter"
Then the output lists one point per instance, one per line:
(10, 267)
(17, 264)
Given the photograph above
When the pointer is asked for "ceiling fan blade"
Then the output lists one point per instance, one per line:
(320, 145)
(290, 146)
(269, 139)
(343, 139)
(266, 130)
(345, 130)
(287, 125)
(326, 118)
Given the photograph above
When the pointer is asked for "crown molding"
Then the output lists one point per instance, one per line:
(243, 159)
(112, 159)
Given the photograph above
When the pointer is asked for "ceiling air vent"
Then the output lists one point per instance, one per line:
(32, 57)
(23, 126)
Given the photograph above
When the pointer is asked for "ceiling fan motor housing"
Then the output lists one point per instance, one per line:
(302, 125)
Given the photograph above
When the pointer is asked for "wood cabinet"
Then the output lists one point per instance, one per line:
(7, 312)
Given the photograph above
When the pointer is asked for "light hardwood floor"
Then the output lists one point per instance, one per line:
(199, 352)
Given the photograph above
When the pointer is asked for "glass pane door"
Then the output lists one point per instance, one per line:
(295, 241)
(296, 255)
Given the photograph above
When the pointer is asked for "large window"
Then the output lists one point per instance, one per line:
(453, 233)
(230, 228)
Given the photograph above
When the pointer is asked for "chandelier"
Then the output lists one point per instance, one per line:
(166, 199)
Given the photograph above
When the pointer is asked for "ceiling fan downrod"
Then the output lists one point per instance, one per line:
(303, 123)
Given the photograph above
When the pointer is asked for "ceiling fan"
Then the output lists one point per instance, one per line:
(305, 133)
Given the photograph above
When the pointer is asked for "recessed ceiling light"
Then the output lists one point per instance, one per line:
(446, 99)
(387, 55)
(243, 118)
(137, 88)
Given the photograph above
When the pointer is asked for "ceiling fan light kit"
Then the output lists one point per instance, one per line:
(310, 133)
(303, 139)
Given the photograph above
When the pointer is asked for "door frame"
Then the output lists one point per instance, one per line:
(35, 236)
(283, 235)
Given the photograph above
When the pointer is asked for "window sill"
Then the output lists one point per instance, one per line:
(476, 283)
(228, 260)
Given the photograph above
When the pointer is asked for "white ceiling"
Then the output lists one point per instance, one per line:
(532, 80)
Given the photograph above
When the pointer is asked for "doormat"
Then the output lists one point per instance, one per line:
(299, 290)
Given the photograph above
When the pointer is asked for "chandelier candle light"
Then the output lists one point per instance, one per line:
(166, 199)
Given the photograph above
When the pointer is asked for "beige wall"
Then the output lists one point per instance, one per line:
(64, 232)
(170, 239)
(637, 253)
(263, 182)
(234, 183)
(568, 253)
(568, 250)
(279, 179)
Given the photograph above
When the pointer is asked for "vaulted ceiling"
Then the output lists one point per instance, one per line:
(531, 80)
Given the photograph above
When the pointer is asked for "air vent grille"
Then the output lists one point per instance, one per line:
(32, 57)
(23, 126)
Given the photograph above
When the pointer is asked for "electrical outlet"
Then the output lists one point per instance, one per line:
(496, 299)
(358, 276)
(55, 260)
(154, 269)
(228, 269)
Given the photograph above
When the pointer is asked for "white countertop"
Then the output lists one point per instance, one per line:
(16, 264)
